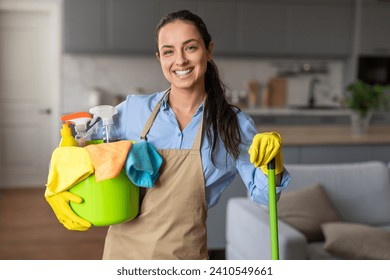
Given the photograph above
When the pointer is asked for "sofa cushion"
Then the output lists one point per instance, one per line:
(306, 209)
(345, 184)
(356, 241)
(316, 251)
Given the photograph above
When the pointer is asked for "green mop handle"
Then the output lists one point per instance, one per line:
(273, 214)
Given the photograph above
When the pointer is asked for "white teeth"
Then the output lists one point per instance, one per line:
(183, 72)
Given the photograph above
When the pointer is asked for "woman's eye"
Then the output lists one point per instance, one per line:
(191, 48)
(167, 52)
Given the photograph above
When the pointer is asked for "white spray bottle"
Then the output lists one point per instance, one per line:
(106, 113)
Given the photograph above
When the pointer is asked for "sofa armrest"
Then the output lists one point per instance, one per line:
(248, 237)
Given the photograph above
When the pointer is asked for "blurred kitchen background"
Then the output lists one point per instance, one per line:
(285, 62)
(109, 49)
(271, 54)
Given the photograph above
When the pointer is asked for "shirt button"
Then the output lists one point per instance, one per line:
(179, 134)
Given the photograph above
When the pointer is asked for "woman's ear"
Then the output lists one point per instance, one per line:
(158, 56)
(210, 51)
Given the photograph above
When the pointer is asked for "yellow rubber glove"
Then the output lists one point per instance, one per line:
(266, 146)
(60, 205)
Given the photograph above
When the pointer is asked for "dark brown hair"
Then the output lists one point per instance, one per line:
(220, 118)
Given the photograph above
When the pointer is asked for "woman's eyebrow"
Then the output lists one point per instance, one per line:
(184, 43)
(166, 46)
(189, 41)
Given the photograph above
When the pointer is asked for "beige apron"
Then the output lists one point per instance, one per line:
(172, 219)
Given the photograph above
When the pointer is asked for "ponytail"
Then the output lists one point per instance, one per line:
(220, 117)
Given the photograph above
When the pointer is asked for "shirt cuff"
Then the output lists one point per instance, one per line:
(259, 194)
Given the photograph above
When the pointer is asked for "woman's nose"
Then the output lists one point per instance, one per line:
(181, 59)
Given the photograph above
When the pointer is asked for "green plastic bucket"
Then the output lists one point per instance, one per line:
(108, 202)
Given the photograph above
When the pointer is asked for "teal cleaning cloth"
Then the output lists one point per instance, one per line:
(142, 164)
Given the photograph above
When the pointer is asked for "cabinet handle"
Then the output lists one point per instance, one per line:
(381, 50)
(46, 111)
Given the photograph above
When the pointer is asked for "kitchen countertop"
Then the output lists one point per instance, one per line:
(296, 112)
(299, 135)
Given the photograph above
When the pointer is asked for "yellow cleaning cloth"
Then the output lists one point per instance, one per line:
(108, 158)
(68, 166)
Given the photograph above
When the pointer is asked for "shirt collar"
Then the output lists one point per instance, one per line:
(200, 109)
(165, 105)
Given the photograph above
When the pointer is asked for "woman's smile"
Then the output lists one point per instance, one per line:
(183, 72)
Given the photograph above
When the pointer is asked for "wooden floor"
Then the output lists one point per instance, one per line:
(29, 230)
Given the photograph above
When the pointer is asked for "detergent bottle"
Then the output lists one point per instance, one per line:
(80, 121)
(67, 138)
(106, 114)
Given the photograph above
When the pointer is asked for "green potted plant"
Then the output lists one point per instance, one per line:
(363, 99)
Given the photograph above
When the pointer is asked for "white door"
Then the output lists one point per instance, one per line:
(29, 90)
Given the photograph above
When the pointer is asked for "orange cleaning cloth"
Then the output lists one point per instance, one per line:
(108, 158)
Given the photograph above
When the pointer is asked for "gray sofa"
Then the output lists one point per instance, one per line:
(358, 192)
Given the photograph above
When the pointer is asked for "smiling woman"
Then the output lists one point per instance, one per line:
(183, 57)
(203, 142)
(197, 168)
(186, 34)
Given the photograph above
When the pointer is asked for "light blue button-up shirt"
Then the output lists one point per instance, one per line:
(165, 133)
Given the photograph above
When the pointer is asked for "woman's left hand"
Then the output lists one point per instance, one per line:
(266, 146)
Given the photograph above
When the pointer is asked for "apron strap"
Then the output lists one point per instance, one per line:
(152, 116)
(198, 139)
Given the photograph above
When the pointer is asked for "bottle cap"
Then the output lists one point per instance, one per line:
(65, 131)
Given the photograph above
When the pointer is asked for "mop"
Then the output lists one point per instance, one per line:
(273, 214)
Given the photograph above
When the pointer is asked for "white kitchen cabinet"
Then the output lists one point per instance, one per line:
(375, 28)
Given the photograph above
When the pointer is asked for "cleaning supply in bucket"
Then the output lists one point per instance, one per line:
(67, 138)
(143, 164)
(80, 121)
(106, 114)
(108, 158)
(68, 166)
(107, 196)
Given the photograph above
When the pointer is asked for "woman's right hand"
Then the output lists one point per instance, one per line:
(65, 215)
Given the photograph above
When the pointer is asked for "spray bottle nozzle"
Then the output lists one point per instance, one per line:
(80, 121)
(106, 114)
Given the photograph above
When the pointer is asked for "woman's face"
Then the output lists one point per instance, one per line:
(183, 55)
